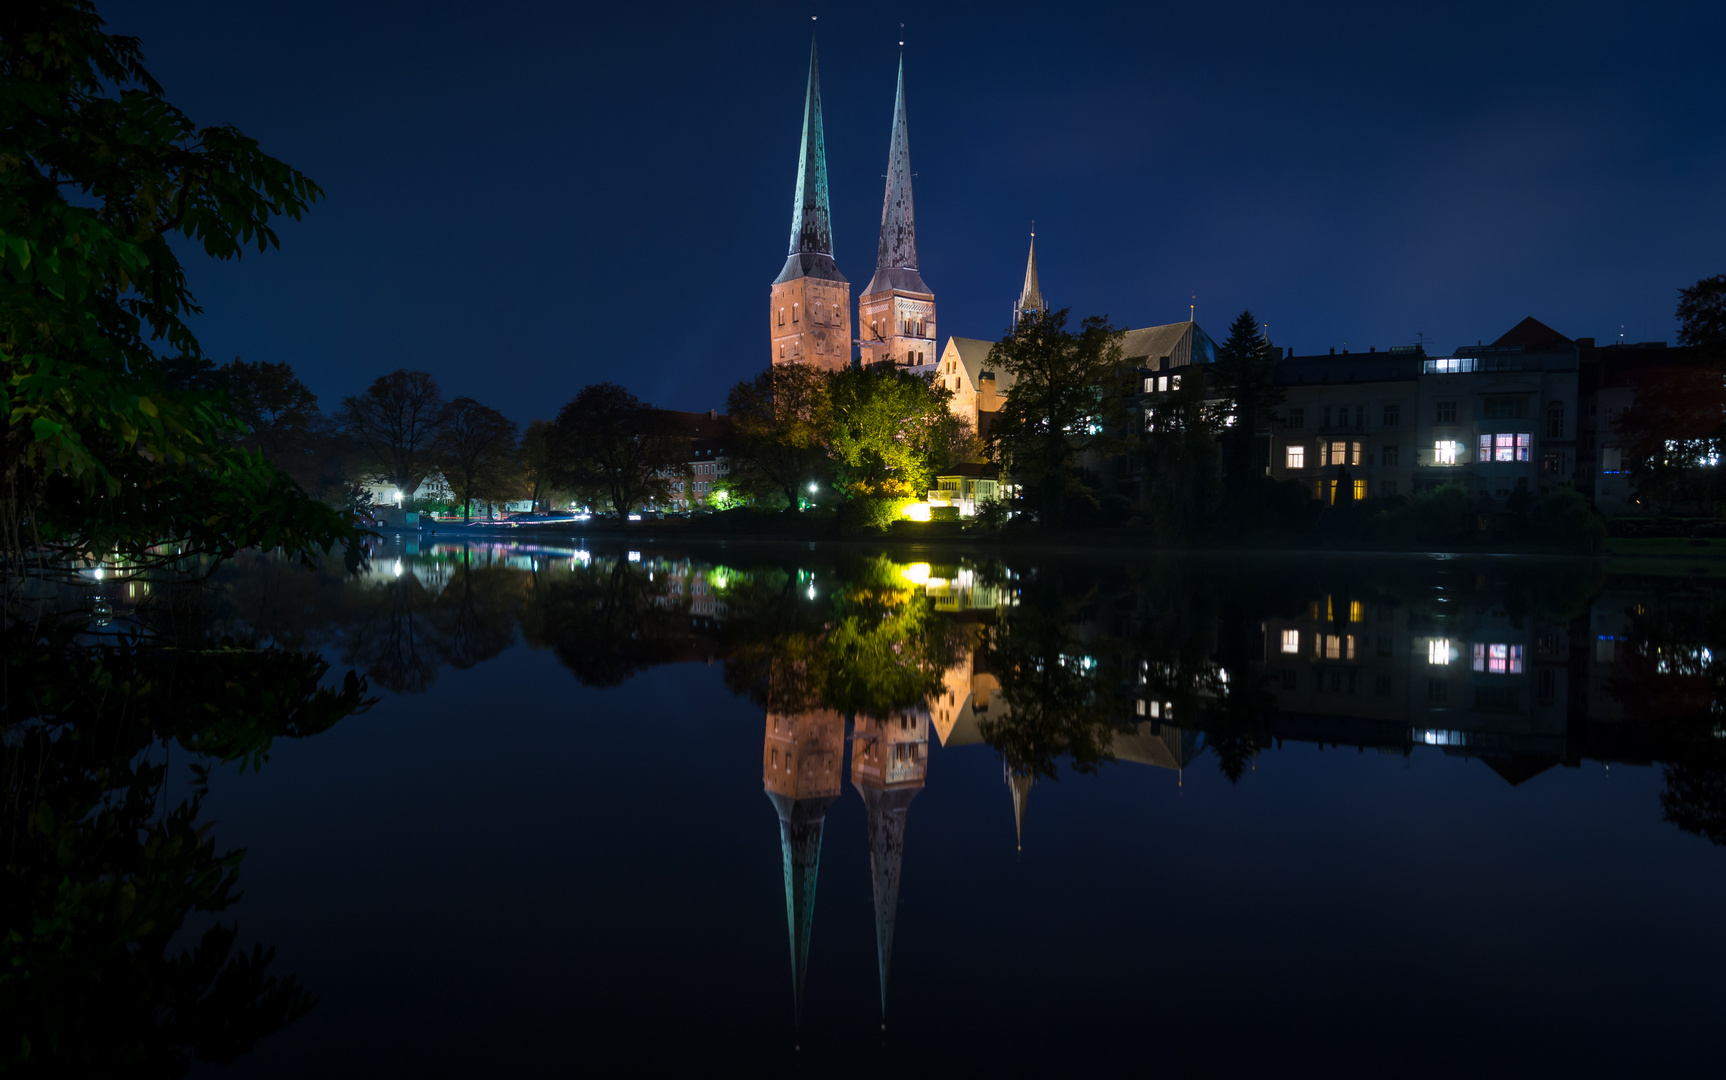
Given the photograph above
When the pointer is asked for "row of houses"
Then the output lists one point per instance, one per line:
(1530, 410)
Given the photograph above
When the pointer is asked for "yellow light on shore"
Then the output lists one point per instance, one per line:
(916, 511)
(917, 573)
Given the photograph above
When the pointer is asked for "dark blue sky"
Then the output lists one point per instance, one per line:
(523, 198)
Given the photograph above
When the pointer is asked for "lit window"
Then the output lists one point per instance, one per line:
(1359, 490)
(1356, 611)
(1354, 453)
(1162, 382)
(1295, 457)
(1333, 646)
(1444, 452)
(1523, 445)
(1338, 453)
(1150, 384)
(1291, 641)
(1504, 448)
(1349, 651)
(1438, 651)
(1174, 382)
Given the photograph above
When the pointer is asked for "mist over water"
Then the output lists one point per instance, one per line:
(840, 809)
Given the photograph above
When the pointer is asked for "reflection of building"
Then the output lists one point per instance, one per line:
(889, 763)
(1477, 682)
(801, 760)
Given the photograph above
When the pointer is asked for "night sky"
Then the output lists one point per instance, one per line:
(523, 198)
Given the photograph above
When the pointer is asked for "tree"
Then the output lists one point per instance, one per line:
(779, 423)
(890, 431)
(1702, 317)
(98, 174)
(536, 464)
(398, 422)
(610, 442)
(1244, 376)
(478, 454)
(1178, 442)
(1068, 398)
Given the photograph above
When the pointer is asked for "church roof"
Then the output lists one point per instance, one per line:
(811, 249)
(886, 814)
(801, 823)
(1534, 336)
(896, 258)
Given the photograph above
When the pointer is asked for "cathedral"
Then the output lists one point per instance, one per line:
(809, 313)
(810, 307)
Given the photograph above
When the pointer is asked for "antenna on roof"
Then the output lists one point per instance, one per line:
(1193, 309)
(901, 35)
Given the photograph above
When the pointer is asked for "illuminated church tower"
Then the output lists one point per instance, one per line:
(889, 764)
(809, 314)
(801, 762)
(896, 313)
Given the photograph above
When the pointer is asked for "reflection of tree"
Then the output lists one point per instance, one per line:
(1064, 696)
(480, 609)
(1672, 671)
(608, 620)
(103, 869)
(872, 643)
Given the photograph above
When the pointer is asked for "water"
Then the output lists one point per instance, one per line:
(838, 811)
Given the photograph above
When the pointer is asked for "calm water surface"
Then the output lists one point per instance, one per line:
(836, 811)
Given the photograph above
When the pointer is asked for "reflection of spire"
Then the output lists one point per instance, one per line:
(800, 764)
(1020, 783)
(800, 826)
(889, 764)
(886, 812)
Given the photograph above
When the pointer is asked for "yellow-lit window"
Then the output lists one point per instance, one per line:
(1333, 646)
(1291, 641)
(1359, 489)
(1350, 643)
(1356, 611)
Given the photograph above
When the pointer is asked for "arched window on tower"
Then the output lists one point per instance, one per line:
(794, 313)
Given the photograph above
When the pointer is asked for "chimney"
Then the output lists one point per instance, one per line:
(1372, 348)
(1333, 350)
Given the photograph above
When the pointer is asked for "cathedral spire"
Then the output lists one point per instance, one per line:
(886, 814)
(1031, 296)
(811, 217)
(896, 258)
(1020, 783)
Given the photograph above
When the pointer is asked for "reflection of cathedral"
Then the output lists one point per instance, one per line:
(889, 762)
(800, 765)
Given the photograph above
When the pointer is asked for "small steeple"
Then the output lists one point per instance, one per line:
(1031, 296)
(811, 248)
(896, 258)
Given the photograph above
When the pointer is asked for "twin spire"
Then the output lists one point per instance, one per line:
(896, 259)
(810, 251)
(1031, 296)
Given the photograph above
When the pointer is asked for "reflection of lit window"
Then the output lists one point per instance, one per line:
(1295, 457)
(1291, 641)
(1438, 651)
(1332, 647)
(1498, 659)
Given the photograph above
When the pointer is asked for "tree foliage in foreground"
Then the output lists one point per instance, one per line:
(1068, 399)
(98, 175)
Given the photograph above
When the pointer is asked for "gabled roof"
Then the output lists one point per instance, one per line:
(974, 355)
(1534, 336)
(1175, 341)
